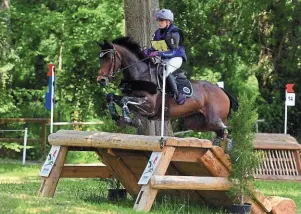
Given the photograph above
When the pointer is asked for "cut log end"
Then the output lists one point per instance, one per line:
(282, 205)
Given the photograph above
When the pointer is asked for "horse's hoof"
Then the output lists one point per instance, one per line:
(229, 145)
(136, 122)
(127, 120)
(120, 122)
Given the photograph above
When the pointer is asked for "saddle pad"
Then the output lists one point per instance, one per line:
(184, 86)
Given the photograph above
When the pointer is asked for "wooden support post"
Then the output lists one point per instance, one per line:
(260, 203)
(222, 156)
(214, 165)
(190, 182)
(48, 185)
(120, 171)
(147, 194)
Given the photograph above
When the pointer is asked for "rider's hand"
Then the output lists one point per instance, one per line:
(146, 52)
(153, 54)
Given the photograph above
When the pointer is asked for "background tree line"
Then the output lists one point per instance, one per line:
(253, 46)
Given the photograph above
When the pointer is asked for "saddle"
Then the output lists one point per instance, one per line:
(184, 84)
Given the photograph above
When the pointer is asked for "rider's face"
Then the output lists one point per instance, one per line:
(163, 23)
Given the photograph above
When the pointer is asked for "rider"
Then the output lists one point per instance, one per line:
(174, 54)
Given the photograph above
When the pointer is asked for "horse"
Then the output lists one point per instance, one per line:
(206, 109)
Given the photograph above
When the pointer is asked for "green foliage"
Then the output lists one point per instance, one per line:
(244, 158)
(35, 33)
(62, 33)
(81, 157)
(252, 46)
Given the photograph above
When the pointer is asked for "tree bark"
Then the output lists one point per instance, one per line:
(5, 4)
(140, 24)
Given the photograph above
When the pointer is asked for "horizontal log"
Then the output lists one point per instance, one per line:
(30, 120)
(86, 171)
(190, 183)
(120, 141)
(20, 140)
(76, 123)
(104, 140)
(189, 142)
(279, 177)
(273, 136)
(276, 145)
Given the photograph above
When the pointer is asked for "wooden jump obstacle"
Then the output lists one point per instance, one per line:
(189, 164)
(281, 157)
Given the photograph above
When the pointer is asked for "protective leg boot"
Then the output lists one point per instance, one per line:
(179, 97)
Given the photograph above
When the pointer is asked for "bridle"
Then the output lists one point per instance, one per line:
(113, 61)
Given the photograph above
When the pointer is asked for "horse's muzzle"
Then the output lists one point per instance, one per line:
(102, 82)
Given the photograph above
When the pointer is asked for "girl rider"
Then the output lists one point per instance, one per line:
(175, 54)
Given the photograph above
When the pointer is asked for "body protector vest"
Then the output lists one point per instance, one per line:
(173, 38)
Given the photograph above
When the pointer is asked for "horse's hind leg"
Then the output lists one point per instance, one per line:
(216, 124)
(214, 121)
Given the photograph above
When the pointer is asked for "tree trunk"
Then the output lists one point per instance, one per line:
(140, 24)
(5, 4)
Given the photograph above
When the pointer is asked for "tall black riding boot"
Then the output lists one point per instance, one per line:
(179, 97)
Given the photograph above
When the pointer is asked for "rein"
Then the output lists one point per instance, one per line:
(115, 71)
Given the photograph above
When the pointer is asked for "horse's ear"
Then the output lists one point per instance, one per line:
(107, 44)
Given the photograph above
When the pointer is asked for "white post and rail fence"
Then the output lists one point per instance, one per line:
(44, 122)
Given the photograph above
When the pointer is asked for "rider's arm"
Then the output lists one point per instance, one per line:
(173, 45)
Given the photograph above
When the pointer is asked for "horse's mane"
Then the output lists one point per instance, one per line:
(131, 45)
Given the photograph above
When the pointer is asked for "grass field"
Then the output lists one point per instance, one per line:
(19, 186)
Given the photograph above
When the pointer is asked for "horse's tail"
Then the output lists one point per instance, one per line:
(233, 102)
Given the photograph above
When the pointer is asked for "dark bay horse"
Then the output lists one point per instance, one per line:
(206, 110)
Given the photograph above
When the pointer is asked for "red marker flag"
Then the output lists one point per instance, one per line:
(289, 88)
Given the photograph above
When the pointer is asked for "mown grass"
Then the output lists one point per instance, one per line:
(19, 186)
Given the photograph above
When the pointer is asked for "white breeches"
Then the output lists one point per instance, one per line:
(173, 64)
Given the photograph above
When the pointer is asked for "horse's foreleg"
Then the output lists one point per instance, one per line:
(111, 98)
(123, 101)
(125, 110)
